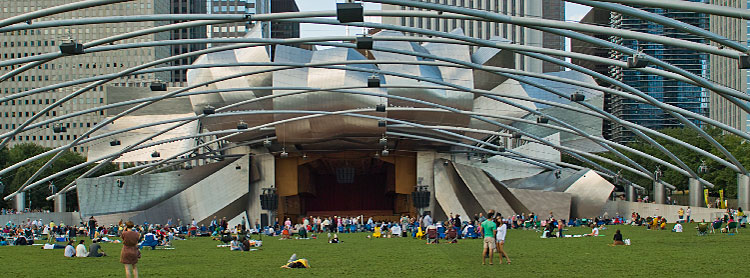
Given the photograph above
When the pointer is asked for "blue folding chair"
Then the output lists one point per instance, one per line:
(471, 233)
(441, 232)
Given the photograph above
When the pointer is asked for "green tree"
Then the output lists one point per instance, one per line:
(722, 177)
(37, 195)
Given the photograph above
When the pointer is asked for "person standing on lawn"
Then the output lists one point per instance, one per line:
(489, 229)
(130, 254)
(502, 229)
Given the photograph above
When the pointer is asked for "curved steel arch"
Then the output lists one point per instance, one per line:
(627, 124)
(663, 20)
(499, 18)
(693, 7)
(235, 132)
(530, 110)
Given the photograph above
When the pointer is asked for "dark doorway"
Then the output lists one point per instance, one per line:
(348, 187)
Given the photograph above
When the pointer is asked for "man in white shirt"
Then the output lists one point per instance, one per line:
(677, 228)
(396, 230)
(81, 250)
(427, 220)
(70, 251)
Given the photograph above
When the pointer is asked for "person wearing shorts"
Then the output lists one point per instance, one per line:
(489, 230)
(502, 229)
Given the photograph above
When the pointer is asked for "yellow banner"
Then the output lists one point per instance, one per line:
(705, 196)
(721, 198)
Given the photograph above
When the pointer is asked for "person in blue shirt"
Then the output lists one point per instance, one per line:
(149, 240)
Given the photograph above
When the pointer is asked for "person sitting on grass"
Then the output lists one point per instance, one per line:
(617, 239)
(594, 231)
(235, 245)
(70, 251)
(149, 240)
(663, 223)
(377, 233)
(95, 248)
(285, 234)
(677, 228)
(81, 250)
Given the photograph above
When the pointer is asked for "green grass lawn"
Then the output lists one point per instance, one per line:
(652, 253)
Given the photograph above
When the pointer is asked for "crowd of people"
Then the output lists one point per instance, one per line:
(5, 211)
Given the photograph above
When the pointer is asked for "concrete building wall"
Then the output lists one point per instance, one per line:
(624, 208)
(67, 218)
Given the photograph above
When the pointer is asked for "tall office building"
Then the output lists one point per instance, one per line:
(284, 30)
(725, 70)
(681, 94)
(179, 77)
(693, 98)
(597, 17)
(487, 30)
(236, 29)
(26, 43)
(554, 10)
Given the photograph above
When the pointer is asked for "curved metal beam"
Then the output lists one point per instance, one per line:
(691, 7)
(27, 17)
(663, 20)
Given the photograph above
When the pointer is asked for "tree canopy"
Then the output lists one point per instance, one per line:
(36, 197)
(721, 176)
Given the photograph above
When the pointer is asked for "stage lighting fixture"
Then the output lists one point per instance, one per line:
(208, 110)
(350, 12)
(158, 87)
(380, 108)
(364, 42)
(71, 48)
(242, 125)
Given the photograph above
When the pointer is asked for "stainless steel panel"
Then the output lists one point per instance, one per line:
(483, 190)
(60, 203)
(696, 193)
(444, 189)
(589, 192)
(543, 202)
(660, 193)
(101, 195)
(743, 191)
(101, 148)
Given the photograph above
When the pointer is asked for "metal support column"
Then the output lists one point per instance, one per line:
(60, 203)
(743, 191)
(630, 193)
(20, 201)
(660, 193)
(695, 198)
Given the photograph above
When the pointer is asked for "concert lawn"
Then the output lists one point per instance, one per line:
(652, 253)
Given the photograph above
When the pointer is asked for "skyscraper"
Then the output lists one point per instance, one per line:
(199, 32)
(486, 30)
(725, 70)
(236, 29)
(26, 43)
(681, 94)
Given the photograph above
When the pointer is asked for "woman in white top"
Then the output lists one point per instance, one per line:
(502, 229)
